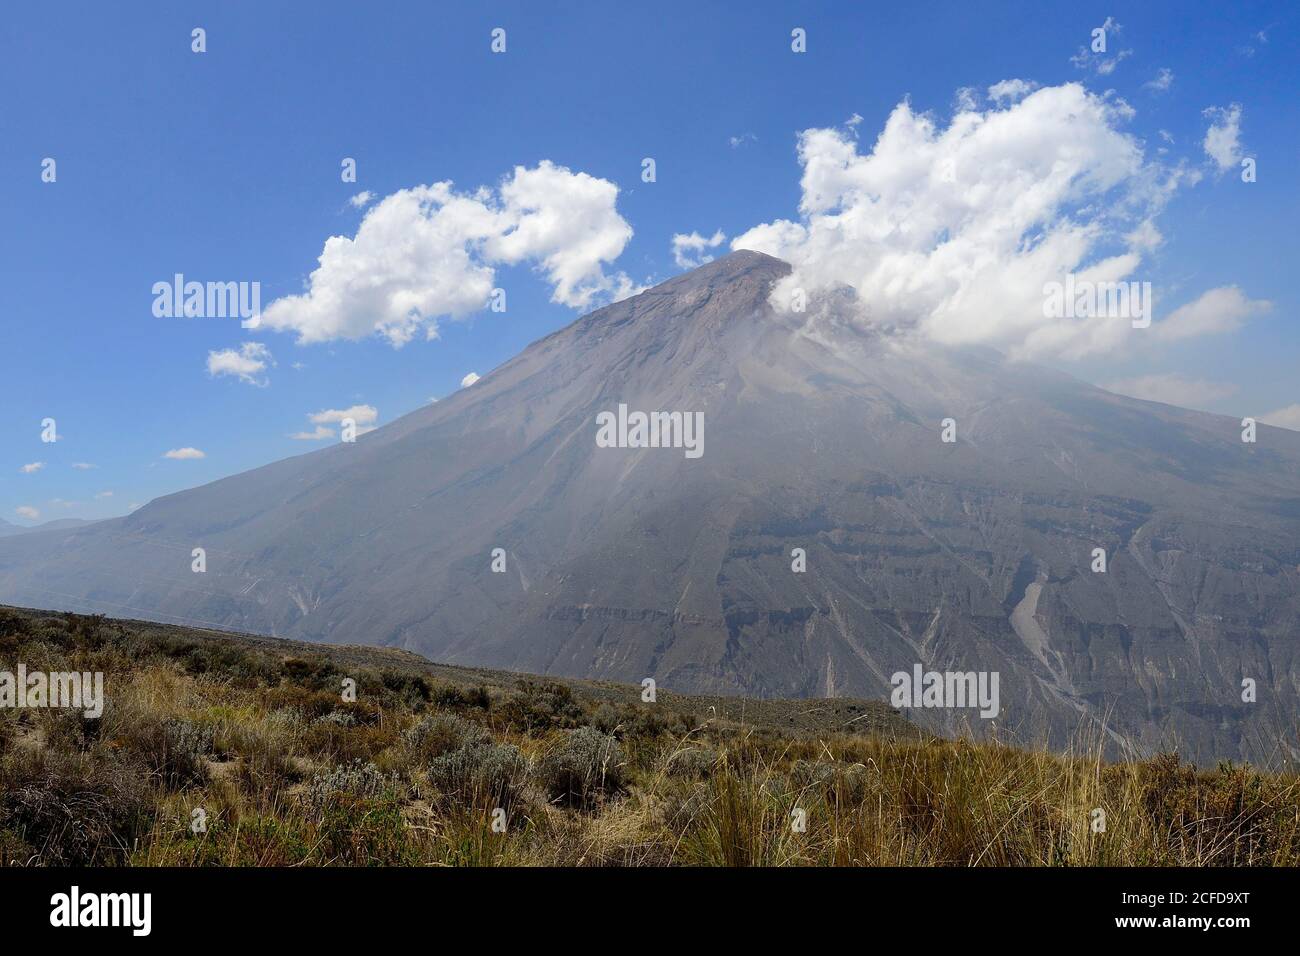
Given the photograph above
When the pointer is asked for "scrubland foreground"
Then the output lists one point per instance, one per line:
(225, 750)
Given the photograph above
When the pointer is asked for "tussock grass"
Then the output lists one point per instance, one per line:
(422, 772)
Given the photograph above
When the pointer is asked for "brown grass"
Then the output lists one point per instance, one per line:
(414, 772)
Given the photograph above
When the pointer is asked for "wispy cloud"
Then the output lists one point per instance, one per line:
(1161, 82)
(248, 363)
(1286, 417)
(1222, 141)
(1172, 389)
(1215, 312)
(1097, 56)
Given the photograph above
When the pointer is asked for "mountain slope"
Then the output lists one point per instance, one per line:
(8, 529)
(632, 563)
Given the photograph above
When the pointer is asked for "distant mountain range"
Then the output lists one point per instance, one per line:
(7, 528)
(632, 562)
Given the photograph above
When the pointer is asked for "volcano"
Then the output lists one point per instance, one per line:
(493, 529)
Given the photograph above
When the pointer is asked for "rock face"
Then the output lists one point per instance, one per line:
(626, 563)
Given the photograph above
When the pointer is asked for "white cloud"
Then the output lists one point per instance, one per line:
(688, 248)
(1172, 389)
(469, 380)
(319, 433)
(32, 468)
(1247, 49)
(83, 465)
(184, 454)
(952, 232)
(1220, 310)
(1161, 82)
(1288, 417)
(104, 494)
(430, 251)
(738, 141)
(1011, 90)
(1086, 58)
(248, 363)
(27, 511)
(1097, 60)
(361, 199)
(1223, 137)
(363, 415)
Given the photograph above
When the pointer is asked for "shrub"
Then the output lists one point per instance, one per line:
(586, 766)
(72, 810)
(338, 718)
(539, 706)
(355, 779)
(691, 762)
(482, 775)
(173, 749)
(439, 734)
(452, 697)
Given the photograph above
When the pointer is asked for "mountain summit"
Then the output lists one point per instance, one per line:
(493, 529)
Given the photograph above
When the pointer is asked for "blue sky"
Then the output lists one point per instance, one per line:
(225, 166)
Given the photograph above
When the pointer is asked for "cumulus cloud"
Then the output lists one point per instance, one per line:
(688, 248)
(469, 380)
(1287, 417)
(953, 231)
(27, 511)
(32, 468)
(364, 416)
(1220, 310)
(361, 199)
(1222, 141)
(431, 251)
(248, 363)
(184, 454)
(1172, 389)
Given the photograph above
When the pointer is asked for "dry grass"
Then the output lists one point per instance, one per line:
(422, 772)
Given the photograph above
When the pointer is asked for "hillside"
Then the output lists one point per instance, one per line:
(433, 764)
